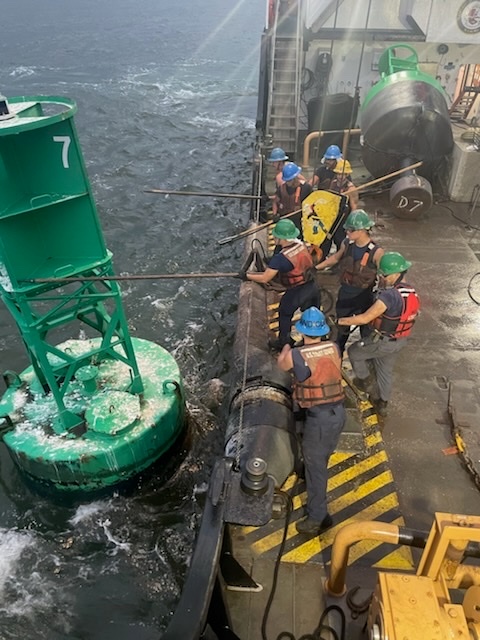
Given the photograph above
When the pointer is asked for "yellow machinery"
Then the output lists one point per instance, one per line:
(441, 601)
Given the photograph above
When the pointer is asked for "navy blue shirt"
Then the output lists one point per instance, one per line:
(392, 300)
(280, 263)
(301, 370)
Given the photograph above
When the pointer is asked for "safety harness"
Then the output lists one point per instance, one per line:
(359, 273)
(298, 254)
(400, 326)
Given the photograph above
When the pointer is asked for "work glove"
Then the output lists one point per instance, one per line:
(275, 217)
(241, 275)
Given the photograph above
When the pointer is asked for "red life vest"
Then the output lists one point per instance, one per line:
(359, 273)
(400, 326)
(298, 254)
(289, 202)
(325, 384)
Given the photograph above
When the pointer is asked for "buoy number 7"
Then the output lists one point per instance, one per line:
(65, 140)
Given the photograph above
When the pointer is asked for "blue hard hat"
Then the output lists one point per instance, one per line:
(290, 171)
(312, 323)
(332, 153)
(277, 154)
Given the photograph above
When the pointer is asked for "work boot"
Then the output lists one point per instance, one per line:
(363, 384)
(314, 527)
(381, 407)
(275, 344)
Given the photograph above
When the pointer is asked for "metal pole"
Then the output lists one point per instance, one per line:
(158, 276)
(209, 194)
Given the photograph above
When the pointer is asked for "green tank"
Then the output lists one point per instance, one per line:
(405, 120)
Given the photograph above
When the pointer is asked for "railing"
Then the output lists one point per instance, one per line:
(347, 133)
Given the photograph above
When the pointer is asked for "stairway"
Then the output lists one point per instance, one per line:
(463, 104)
(283, 103)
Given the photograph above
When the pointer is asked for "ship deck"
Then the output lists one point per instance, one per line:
(402, 470)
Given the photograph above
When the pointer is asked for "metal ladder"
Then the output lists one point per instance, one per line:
(285, 78)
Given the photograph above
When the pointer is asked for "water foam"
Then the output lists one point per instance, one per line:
(12, 545)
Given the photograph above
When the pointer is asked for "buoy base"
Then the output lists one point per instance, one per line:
(120, 434)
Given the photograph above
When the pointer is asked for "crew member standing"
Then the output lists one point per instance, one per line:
(291, 193)
(323, 175)
(294, 265)
(318, 389)
(278, 157)
(391, 318)
(358, 259)
(340, 184)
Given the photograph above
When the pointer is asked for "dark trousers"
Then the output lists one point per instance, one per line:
(301, 297)
(349, 305)
(321, 432)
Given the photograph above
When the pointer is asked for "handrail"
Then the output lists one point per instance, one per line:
(319, 134)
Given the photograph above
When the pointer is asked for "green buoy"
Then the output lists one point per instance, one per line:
(87, 414)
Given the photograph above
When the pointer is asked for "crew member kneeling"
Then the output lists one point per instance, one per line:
(316, 368)
(391, 317)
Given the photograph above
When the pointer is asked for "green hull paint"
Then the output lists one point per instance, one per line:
(122, 434)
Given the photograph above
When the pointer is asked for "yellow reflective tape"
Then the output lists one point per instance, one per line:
(304, 552)
(373, 439)
(371, 420)
(299, 501)
(339, 456)
(401, 558)
(356, 470)
(346, 476)
(272, 306)
(290, 482)
(361, 492)
(369, 513)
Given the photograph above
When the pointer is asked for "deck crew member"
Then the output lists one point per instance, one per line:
(294, 265)
(340, 184)
(318, 389)
(358, 259)
(391, 318)
(278, 157)
(291, 193)
(324, 174)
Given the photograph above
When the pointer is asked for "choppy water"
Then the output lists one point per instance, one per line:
(167, 98)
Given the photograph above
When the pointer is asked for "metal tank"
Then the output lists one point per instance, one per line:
(404, 120)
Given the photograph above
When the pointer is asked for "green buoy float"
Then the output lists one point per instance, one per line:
(90, 413)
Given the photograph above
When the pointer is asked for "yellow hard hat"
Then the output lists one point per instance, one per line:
(343, 166)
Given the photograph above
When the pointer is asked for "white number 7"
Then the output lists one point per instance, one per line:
(65, 140)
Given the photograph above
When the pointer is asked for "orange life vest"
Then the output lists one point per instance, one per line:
(298, 254)
(324, 386)
(359, 273)
(400, 326)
